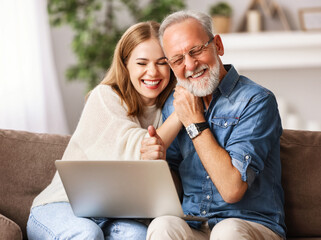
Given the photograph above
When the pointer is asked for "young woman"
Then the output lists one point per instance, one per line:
(112, 126)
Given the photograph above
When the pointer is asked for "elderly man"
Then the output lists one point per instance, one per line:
(228, 153)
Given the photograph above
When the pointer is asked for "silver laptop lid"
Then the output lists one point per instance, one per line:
(120, 189)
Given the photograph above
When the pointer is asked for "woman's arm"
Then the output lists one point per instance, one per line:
(105, 131)
(155, 146)
(169, 129)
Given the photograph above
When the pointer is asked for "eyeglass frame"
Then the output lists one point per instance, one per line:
(203, 47)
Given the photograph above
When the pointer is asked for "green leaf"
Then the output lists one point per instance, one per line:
(96, 30)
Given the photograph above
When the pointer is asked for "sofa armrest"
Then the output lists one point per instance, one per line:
(9, 230)
(27, 167)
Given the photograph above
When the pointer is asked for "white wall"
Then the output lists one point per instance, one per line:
(299, 90)
(289, 64)
(298, 87)
(73, 92)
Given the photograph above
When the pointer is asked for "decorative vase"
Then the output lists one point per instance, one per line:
(221, 24)
(253, 21)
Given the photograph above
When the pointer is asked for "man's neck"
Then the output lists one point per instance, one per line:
(207, 100)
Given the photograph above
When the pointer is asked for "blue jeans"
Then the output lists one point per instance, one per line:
(57, 221)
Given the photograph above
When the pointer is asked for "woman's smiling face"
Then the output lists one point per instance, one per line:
(148, 70)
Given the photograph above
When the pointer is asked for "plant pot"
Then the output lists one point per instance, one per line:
(221, 24)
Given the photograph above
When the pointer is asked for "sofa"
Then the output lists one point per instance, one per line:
(27, 167)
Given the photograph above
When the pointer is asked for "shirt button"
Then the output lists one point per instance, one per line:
(225, 124)
(204, 212)
(208, 196)
(247, 157)
(208, 177)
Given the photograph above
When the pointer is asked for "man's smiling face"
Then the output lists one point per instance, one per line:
(199, 74)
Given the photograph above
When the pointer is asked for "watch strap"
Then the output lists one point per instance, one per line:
(202, 126)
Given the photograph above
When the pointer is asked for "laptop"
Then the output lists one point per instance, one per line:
(121, 189)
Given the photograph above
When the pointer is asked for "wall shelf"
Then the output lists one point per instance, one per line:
(272, 50)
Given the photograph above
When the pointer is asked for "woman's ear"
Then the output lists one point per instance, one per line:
(219, 45)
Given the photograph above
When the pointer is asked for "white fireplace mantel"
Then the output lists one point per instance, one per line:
(272, 50)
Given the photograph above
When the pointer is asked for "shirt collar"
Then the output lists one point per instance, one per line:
(229, 81)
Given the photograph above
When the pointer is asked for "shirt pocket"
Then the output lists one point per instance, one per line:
(224, 122)
(222, 128)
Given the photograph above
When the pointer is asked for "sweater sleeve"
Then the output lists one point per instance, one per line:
(105, 131)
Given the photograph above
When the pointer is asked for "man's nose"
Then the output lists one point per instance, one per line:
(190, 63)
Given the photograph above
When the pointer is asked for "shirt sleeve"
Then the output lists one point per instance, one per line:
(105, 131)
(258, 130)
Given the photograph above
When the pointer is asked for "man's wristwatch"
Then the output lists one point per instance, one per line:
(195, 129)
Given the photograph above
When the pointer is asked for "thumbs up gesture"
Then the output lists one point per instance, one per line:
(152, 148)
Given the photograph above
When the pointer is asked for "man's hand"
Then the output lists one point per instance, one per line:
(153, 148)
(189, 108)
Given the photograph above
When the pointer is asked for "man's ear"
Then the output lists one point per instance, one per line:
(219, 45)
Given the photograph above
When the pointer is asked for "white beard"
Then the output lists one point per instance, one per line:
(204, 86)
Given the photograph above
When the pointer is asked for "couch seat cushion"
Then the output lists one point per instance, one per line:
(27, 167)
(301, 169)
(9, 230)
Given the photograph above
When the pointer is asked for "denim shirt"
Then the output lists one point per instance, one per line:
(244, 119)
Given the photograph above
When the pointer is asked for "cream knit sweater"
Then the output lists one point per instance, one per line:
(104, 132)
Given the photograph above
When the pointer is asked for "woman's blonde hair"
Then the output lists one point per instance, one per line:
(118, 76)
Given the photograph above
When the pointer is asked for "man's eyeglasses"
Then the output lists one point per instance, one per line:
(194, 52)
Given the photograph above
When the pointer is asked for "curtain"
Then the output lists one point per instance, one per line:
(30, 97)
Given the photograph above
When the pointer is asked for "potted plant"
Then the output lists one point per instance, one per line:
(97, 31)
(221, 14)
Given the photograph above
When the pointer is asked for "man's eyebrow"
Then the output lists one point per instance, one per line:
(177, 55)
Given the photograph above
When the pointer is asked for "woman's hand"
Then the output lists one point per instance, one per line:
(153, 148)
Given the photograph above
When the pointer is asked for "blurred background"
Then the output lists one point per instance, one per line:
(53, 52)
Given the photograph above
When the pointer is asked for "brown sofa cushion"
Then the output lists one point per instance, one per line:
(27, 167)
(9, 230)
(301, 170)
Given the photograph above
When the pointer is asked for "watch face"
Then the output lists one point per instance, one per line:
(192, 131)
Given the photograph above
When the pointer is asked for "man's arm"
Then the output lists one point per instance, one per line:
(215, 159)
(219, 167)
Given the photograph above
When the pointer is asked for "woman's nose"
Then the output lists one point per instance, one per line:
(152, 70)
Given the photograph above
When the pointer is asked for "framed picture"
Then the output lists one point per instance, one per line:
(310, 19)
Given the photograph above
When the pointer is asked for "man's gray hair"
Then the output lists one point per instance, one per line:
(180, 16)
